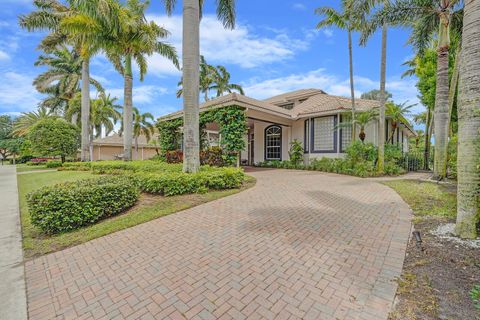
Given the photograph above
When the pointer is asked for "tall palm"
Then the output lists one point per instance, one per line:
(469, 125)
(366, 6)
(222, 82)
(27, 120)
(62, 79)
(350, 20)
(62, 21)
(136, 39)
(397, 113)
(191, 66)
(431, 18)
(361, 120)
(104, 114)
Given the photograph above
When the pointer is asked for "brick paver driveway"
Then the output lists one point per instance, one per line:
(299, 245)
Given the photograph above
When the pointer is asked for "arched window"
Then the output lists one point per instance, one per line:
(273, 143)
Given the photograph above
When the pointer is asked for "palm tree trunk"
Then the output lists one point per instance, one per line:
(352, 91)
(426, 153)
(381, 126)
(85, 110)
(127, 110)
(191, 66)
(90, 145)
(468, 192)
(453, 86)
(441, 105)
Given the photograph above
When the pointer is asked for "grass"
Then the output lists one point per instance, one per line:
(426, 198)
(149, 207)
(25, 167)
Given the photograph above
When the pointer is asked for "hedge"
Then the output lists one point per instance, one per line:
(115, 167)
(71, 205)
(176, 183)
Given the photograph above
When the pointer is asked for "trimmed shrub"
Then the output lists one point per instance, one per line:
(176, 183)
(71, 205)
(212, 156)
(174, 156)
(76, 166)
(54, 164)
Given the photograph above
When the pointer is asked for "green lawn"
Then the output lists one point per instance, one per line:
(427, 198)
(24, 167)
(149, 207)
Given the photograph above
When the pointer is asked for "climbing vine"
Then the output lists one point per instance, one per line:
(233, 127)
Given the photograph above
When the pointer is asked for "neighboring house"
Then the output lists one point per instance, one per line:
(111, 148)
(308, 115)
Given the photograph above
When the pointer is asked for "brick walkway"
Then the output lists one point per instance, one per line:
(299, 245)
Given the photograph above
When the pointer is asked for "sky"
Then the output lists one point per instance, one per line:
(274, 48)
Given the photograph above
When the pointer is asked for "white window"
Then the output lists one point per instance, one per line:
(324, 134)
(346, 133)
(273, 143)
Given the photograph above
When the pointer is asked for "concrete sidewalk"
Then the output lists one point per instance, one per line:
(13, 302)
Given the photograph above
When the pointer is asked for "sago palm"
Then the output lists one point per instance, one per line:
(191, 66)
(135, 40)
(468, 167)
(350, 20)
(430, 18)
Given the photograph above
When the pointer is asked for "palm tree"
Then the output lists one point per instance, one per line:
(469, 125)
(191, 66)
(362, 119)
(350, 20)
(429, 18)
(142, 126)
(397, 114)
(222, 82)
(27, 120)
(135, 40)
(62, 80)
(207, 76)
(367, 6)
(66, 24)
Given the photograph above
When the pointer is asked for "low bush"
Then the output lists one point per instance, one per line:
(76, 166)
(176, 183)
(53, 164)
(174, 156)
(213, 156)
(37, 161)
(360, 160)
(71, 205)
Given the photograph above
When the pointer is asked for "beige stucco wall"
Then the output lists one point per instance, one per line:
(109, 153)
(259, 149)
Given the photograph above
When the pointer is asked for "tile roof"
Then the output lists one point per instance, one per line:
(323, 103)
(297, 94)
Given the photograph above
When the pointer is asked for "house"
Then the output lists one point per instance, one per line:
(111, 148)
(310, 116)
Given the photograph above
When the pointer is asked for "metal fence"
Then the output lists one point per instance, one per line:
(415, 160)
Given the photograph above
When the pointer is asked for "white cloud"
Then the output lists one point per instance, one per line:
(299, 6)
(327, 33)
(145, 94)
(4, 56)
(17, 93)
(240, 46)
(401, 89)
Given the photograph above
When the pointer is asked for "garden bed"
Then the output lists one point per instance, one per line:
(436, 282)
(148, 207)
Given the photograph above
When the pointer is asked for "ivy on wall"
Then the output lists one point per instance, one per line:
(233, 127)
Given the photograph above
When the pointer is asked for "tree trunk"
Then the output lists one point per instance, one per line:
(90, 145)
(85, 110)
(426, 153)
(381, 125)
(468, 192)
(127, 110)
(191, 66)
(453, 87)
(441, 105)
(352, 91)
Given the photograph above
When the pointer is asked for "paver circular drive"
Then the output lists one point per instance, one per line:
(299, 245)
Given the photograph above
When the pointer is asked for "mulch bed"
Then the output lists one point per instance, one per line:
(436, 281)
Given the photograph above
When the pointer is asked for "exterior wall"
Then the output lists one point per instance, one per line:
(109, 153)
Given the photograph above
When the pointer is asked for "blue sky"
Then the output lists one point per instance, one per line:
(274, 48)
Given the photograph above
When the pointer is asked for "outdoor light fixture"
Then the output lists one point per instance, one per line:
(418, 239)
